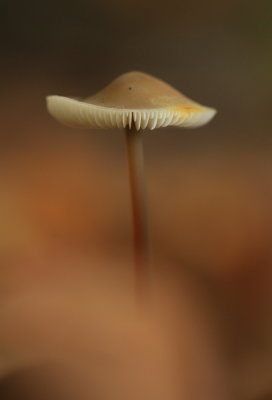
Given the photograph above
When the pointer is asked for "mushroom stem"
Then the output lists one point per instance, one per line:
(135, 156)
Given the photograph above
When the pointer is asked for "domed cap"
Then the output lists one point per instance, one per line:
(134, 97)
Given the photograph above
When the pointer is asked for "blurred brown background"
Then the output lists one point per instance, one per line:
(64, 195)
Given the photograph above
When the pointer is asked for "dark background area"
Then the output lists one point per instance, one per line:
(218, 52)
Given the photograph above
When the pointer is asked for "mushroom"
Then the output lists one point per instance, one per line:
(134, 101)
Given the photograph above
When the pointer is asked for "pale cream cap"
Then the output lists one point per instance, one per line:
(132, 98)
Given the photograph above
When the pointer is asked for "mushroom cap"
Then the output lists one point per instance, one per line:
(132, 98)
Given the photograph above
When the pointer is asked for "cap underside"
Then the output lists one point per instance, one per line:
(81, 114)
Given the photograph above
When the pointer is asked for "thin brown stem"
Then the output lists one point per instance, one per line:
(135, 156)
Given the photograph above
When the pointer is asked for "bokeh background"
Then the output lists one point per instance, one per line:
(64, 199)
